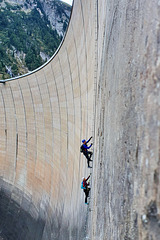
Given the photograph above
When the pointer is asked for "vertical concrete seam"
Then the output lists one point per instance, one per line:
(43, 118)
(4, 106)
(16, 137)
(74, 40)
(51, 163)
(86, 67)
(51, 110)
(67, 128)
(26, 130)
(95, 65)
(80, 99)
(94, 105)
(53, 126)
(59, 118)
(97, 20)
(35, 125)
(74, 109)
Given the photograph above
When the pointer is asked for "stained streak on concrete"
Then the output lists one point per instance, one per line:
(104, 82)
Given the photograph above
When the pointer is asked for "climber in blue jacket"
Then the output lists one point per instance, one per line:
(84, 149)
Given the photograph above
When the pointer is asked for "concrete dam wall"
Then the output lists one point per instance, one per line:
(104, 81)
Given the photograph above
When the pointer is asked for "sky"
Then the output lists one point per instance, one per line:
(68, 1)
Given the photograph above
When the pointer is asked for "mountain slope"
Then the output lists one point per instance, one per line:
(30, 33)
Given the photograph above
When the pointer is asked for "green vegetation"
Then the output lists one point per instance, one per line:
(27, 33)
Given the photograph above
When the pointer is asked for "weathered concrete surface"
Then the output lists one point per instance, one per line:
(104, 82)
(125, 189)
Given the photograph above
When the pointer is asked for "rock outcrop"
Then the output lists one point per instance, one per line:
(57, 12)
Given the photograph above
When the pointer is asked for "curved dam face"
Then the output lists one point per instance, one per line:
(104, 81)
(43, 118)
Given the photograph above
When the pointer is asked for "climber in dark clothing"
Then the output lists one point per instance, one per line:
(84, 150)
(86, 189)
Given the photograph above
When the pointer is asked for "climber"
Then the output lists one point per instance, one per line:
(85, 187)
(84, 149)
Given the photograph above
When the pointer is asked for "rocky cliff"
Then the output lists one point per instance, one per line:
(57, 12)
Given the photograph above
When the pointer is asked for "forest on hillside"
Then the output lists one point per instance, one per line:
(23, 37)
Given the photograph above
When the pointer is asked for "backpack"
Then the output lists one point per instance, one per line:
(82, 149)
(82, 185)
